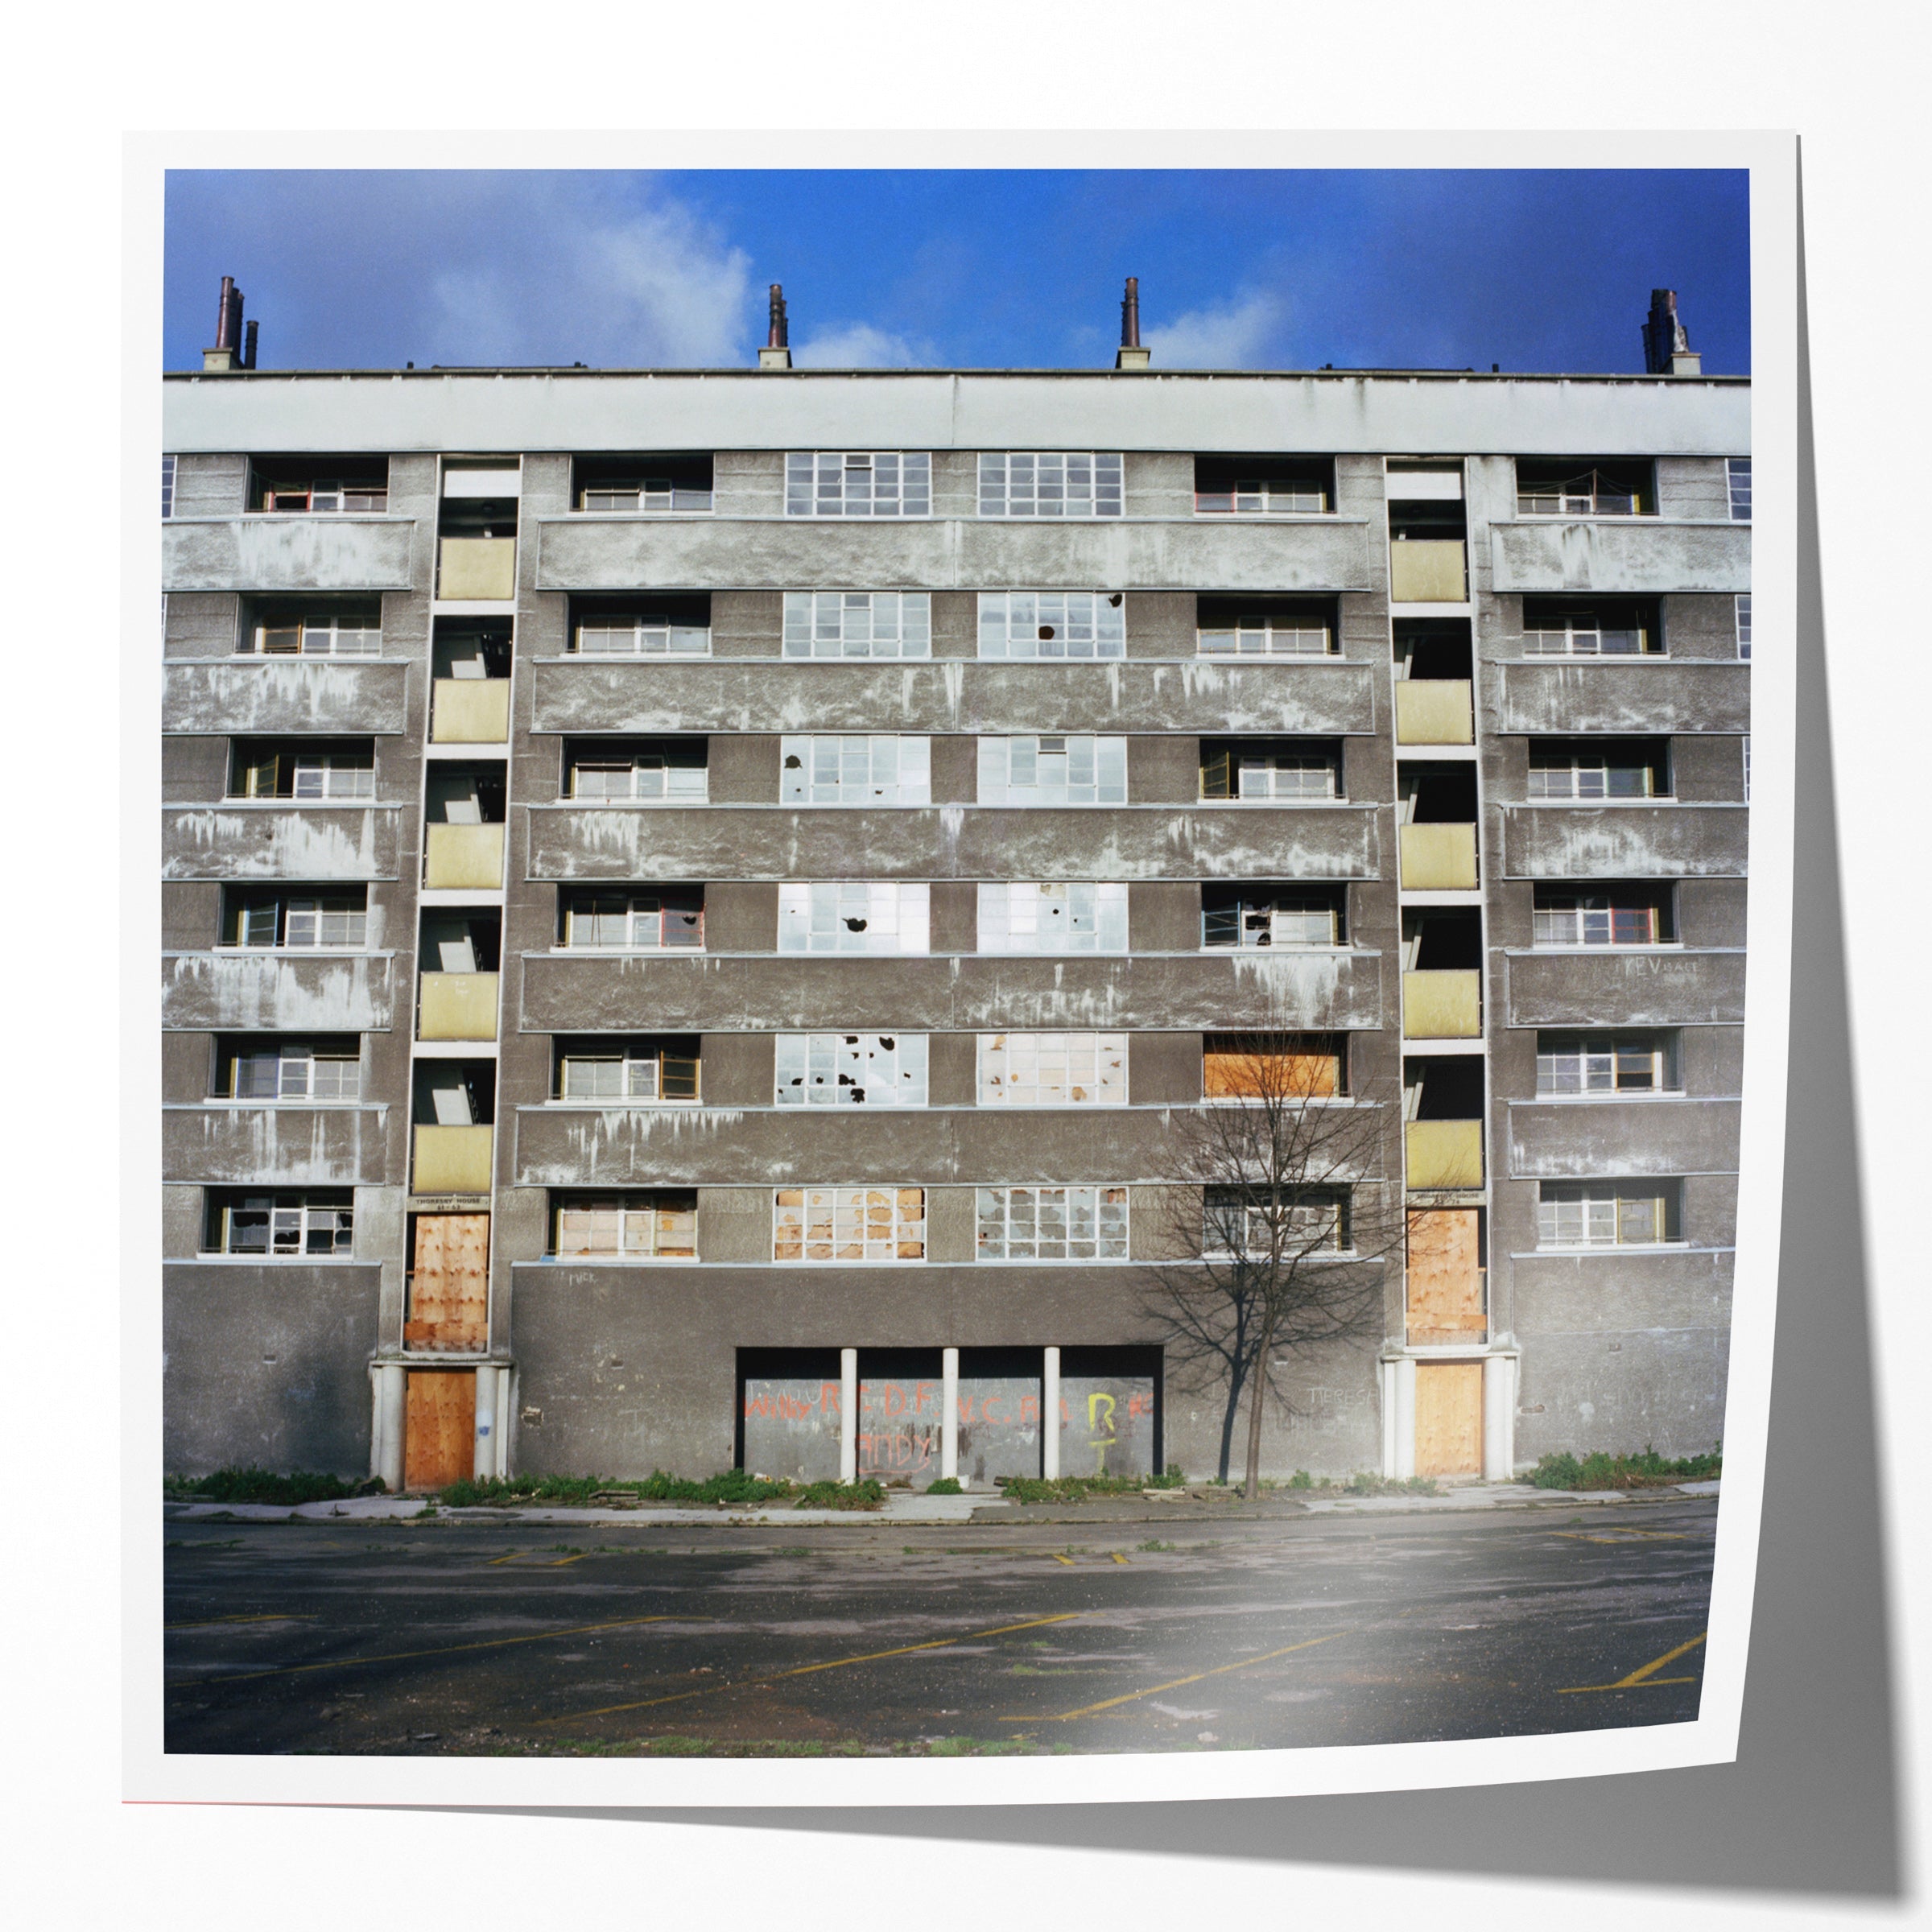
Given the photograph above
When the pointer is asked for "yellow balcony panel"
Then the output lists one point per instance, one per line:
(461, 1006)
(1438, 858)
(1442, 1006)
(1444, 1154)
(453, 1160)
(472, 710)
(1429, 571)
(477, 569)
(1432, 711)
(464, 858)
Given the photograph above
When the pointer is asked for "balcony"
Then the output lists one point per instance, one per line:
(238, 991)
(1438, 858)
(1442, 1006)
(476, 570)
(456, 1006)
(453, 1160)
(1641, 557)
(271, 696)
(1656, 841)
(469, 711)
(463, 858)
(1444, 1153)
(1641, 987)
(240, 840)
(1434, 710)
(1428, 570)
(276, 553)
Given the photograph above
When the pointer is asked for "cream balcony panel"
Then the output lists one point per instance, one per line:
(476, 570)
(224, 1145)
(1430, 570)
(1637, 986)
(1644, 555)
(248, 841)
(456, 1006)
(954, 842)
(452, 1160)
(1442, 1006)
(272, 696)
(272, 553)
(1438, 858)
(564, 993)
(1444, 1154)
(466, 858)
(1585, 1139)
(1623, 695)
(1434, 710)
(470, 711)
(243, 991)
(1624, 841)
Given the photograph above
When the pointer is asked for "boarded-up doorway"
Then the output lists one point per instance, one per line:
(449, 1284)
(439, 1428)
(1445, 1275)
(1449, 1418)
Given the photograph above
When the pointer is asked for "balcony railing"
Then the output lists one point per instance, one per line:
(477, 569)
(470, 711)
(457, 1006)
(1428, 570)
(466, 858)
(453, 1160)
(1445, 1153)
(1434, 710)
(1438, 858)
(1442, 1006)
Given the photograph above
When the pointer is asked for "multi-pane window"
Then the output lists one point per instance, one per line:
(646, 494)
(851, 1069)
(1737, 478)
(632, 1070)
(167, 487)
(295, 1070)
(1052, 624)
(306, 775)
(269, 920)
(1262, 1225)
(1606, 1214)
(643, 634)
(858, 624)
(659, 1224)
(1053, 1069)
(317, 495)
(848, 1224)
(858, 483)
(307, 1225)
(1231, 632)
(1606, 1062)
(1587, 630)
(637, 919)
(1267, 915)
(1050, 483)
(1062, 769)
(1742, 605)
(1250, 486)
(1606, 771)
(883, 769)
(671, 772)
(1582, 489)
(1629, 916)
(345, 634)
(1072, 915)
(1268, 773)
(853, 915)
(1052, 1224)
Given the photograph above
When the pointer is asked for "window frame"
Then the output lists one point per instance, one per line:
(799, 900)
(1247, 903)
(1102, 915)
(633, 899)
(827, 1053)
(1622, 1194)
(649, 1205)
(1096, 497)
(899, 1237)
(1237, 756)
(1106, 1205)
(1264, 625)
(657, 1057)
(665, 756)
(1104, 754)
(1004, 618)
(283, 1054)
(1579, 760)
(1572, 505)
(283, 906)
(305, 626)
(1661, 1045)
(1016, 1082)
(809, 748)
(338, 1204)
(1335, 1199)
(1737, 487)
(1740, 618)
(805, 614)
(1661, 909)
(1649, 632)
(909, 463)
(639, 629)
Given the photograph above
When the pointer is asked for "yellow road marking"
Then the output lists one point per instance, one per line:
(1636, 1681)
(835, 1663)
(267, 1616)
(1059, 1559)
(566, 1561)
(510, 1558)
(1176, 1683)
(1118, 1557)
(396, 1657)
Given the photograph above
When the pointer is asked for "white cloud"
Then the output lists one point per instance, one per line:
(1234, 336)
(859, 345)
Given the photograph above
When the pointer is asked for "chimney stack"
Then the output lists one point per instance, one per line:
(777, 351)
(1131, 355)
(226, 354)
(248, 345)
(1667, 350)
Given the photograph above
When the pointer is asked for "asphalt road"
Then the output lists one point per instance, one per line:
(479, 1638)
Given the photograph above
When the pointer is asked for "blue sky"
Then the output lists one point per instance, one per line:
(1543, 270)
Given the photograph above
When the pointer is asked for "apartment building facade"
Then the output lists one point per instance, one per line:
(693, 903)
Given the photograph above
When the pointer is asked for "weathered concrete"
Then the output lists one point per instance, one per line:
(1624, 841)
(367, 696)
(238, 840)
(1622, 695)
(238, 991)
(276, 553)
(281, 1145)
(1565, 1140)
(1646, 987)
(1644, 555)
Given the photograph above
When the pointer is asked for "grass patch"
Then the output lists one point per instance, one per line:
(586, 1492)
(1154, 1542)
(946, 1485)
(253, 1485)
(1600, 1470)
(867, 1494)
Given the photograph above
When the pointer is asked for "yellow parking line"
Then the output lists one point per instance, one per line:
(566, 1561)
(1059, 1559)
(1637, 1680)
(1176, 1683)
(267, 1616)
(1118, 1557)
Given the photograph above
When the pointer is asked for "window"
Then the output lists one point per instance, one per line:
(1737, 477)
(853, 915)
(852, 1070)
(300, 922)
(1586, 772)
(1049, 484)
(1742, 604)
(1579, 488)
(356, 633)
(1262, 486)
(671, 772)
(883, 483)
(628, 1071)
(858, 624)
(1053, 1070)
(304, 774)
(1554, 628)
(1052, 1224)
(1233, 631)
(636, 920)
(1052, 916)
(1270, 774)
(292, 1070)
(876, 770)
(314, 485)
(1606, 1062)
(1615, 915)
(660, 484)
(660, 1224)
(1269, 915)
(1273, 1066)
(1262, 1225)
(1052, 624)
(848, 1224)
(642, 634)
(307, 1225)
(1061, 769)
(167, 487)
(1606, 1214)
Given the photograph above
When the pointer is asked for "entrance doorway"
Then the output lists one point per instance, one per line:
(439, 1428)
(1449, 1418)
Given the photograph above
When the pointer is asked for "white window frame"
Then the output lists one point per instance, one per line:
(1059, 484)
(850, 1069)
(1741, 606)
(298, 1076)
(1589, 778)
(327, 496)
(1015, 916)
(1052, 624)
(324, 777)
(817, 916)
(835, 624)
(1580, 917)
(1278, 775)
(316, 638)
(654, 496)
(1264, 637)
(1052, 1069)
(282, 913)
(848, 483)
(1251, 497)
(640, 1079)
(1590, 1064)
(1737, 487)
(642, 1214)
(860, 1226)
(1052, 769)
(1084, 1222)
(833, 768)
(1576, 640)
(648, 774)
(1286, 926)
(1563, 501)
(1328, 1210)
(649, 636)
(639, 908)
(1572, 1216)
(169, 464)
(301, 1217)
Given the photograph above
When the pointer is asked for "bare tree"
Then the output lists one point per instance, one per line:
(1278, 1218)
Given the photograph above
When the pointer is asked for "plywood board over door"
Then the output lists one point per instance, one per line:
(449, 1284)
(1445, 1276)
(1449, 1418)
(439, 1428)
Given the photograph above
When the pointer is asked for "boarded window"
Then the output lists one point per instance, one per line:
(1445, 1276)
(449, 1283)
(1304, 1065)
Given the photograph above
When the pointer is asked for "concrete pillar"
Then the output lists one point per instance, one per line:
(949, 1412)
(391, 1408)
(1403, 1381)
(483, 1462)
(502, 1437)
(848, 1415)
(1499, 1418)
(1386, 1376)
(1049, 1414)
